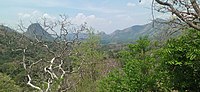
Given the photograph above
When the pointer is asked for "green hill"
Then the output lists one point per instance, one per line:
(154, 29)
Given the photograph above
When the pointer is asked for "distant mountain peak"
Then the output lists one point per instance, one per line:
(35, 24)
(35, 29)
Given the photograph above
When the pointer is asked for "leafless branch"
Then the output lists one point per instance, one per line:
(58, 51)
(189, 11)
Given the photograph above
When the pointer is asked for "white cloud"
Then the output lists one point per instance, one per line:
(24, 15)
(49, 17)
(35, 12)
(100, 24)
(129, 4)
(35, 15)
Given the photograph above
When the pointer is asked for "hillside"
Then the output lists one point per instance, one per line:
(131, 34)
(9, 41)
(127, 35)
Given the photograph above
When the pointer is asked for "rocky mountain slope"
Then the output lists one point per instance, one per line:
(35, 30)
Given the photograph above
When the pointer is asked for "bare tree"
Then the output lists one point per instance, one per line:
(47, 63)
(187, 11)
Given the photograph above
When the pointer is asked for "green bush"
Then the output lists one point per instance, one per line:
(7, 84)
(140, 71)
(181, 57)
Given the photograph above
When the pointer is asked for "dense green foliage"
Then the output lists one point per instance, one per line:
(139, 71)
(182, 59)
(8, 42)
(148, 68)
(8, 85)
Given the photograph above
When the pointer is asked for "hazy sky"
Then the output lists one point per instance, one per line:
(103, 15)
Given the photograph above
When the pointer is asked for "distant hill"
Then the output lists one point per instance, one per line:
(9, 41)
(127, 35)
(36, 30)
(131, 34)
(6, 29)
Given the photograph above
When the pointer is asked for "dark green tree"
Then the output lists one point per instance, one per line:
(181, 57)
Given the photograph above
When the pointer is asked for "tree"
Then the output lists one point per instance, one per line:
(187, 11)
(47, 62)
(91, 58)
(8, 85)
(181, 57)
(140, 71)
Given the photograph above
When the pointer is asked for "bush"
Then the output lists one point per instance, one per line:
(181, 57)
(7, 84)
(140, 71)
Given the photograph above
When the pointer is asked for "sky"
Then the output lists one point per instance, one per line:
(102, 15)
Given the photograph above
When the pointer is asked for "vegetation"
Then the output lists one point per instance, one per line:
(92, 59)
(182, 59)
(174, 66)
(139, 72)
(65, 64)
(8, 85)
(143, 66)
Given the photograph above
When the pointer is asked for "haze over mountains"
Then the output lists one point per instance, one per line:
(119, 36)
(131, 34)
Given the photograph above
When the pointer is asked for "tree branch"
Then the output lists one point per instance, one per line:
(178, 13)
(196, 7)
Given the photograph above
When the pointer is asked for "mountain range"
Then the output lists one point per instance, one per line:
(131, 34)
(127, 35)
